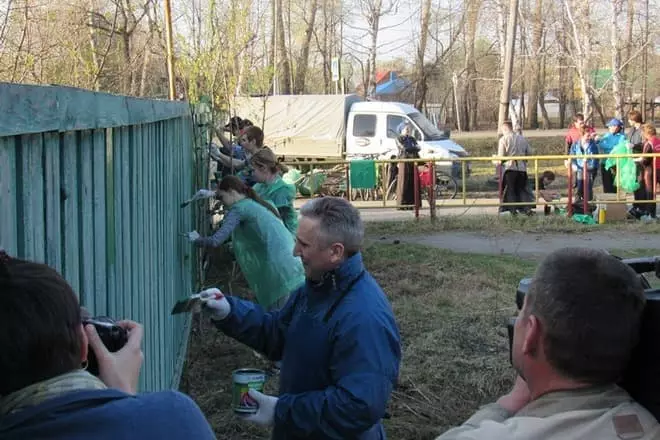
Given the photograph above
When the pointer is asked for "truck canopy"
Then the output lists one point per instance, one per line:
(300, 125)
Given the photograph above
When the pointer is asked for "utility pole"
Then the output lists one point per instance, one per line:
(505, 95)
(170, 49)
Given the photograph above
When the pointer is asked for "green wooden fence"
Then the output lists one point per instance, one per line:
(90, 184)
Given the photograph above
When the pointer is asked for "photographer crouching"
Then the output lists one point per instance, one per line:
(45, 349)
(572, 341)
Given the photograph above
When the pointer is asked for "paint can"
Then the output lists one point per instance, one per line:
(244, 380)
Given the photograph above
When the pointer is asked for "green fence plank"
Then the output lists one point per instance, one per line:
(122, 143)
(86, 214)
(32, 199)
(69, 159)
(101, 227)
(139, 267)
(53, 200)
(8, 196)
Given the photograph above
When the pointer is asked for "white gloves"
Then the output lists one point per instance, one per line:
(192, 236)
(203, 194)
(265, 415)
(216, 302)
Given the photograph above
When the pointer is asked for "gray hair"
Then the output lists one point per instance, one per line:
(591, 306)
(340, 221)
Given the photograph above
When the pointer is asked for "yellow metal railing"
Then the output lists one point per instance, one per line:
(462, 189)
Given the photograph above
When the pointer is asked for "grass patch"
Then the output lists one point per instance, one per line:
(451, 309)
(491, 224)
(487, 146)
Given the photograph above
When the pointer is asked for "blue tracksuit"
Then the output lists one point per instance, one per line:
(579, 164)
(340, 350)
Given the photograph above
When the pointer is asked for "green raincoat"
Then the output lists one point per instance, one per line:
(264, 250)
(281, 195)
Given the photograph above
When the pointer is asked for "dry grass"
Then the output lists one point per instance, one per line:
(451, 309)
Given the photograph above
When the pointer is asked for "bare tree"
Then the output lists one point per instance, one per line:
(372, 11)
(420, 71)
(617, 83)
(303, 59)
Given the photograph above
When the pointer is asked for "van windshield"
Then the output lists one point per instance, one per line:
(431, 132)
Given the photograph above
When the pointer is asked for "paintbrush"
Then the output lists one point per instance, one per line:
(188, 304)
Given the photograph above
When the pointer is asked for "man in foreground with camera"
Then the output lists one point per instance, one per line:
(336, 336)
(573, 339)
(45, 392)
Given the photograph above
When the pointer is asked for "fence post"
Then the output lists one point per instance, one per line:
(416, 188)
(500, 183)
(569, 210)
(585, 187)
(432, 190)
(463, 181)
(348, 181)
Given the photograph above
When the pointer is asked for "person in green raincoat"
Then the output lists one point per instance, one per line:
(262, 244)
(267, 172)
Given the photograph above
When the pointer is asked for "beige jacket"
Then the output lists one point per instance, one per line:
(514, 145)
(599, 413)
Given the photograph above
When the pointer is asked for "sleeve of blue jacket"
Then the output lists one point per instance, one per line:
(249, 324)
(364, 368)
(592, 164)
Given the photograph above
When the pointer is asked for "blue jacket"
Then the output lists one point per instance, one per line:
(339, 363)
(109, 415)
(609, 141)
(576, 149)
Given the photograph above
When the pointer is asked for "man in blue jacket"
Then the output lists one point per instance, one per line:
(336, 337)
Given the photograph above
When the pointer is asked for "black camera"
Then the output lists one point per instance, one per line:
(641, 378)
(113, 336)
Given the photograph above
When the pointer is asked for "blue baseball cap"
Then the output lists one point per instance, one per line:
(614, 122)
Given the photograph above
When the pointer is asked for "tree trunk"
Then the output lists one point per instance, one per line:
(645, 61)
(283, 55)
(93, 46)
(617, 86)
(303, 60)
(470, 97)
(535, 86)
(505, 95)
(630, 26)
(420, 76)
(501, 32)
(373, 48)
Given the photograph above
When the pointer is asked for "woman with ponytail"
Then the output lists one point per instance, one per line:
(267, 172)
(262, 244)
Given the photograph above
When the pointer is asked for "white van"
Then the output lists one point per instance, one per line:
(374, 126)
(317, 127)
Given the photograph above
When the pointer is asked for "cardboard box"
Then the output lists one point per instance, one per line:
(614, 211)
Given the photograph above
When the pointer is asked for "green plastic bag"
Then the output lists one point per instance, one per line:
(311, 183)
(626, 168)
(584, 219)
(291, 177)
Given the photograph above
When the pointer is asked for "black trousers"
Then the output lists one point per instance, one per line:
(608, 180)
(514, 189)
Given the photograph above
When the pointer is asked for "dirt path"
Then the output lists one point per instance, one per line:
(533, 245)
